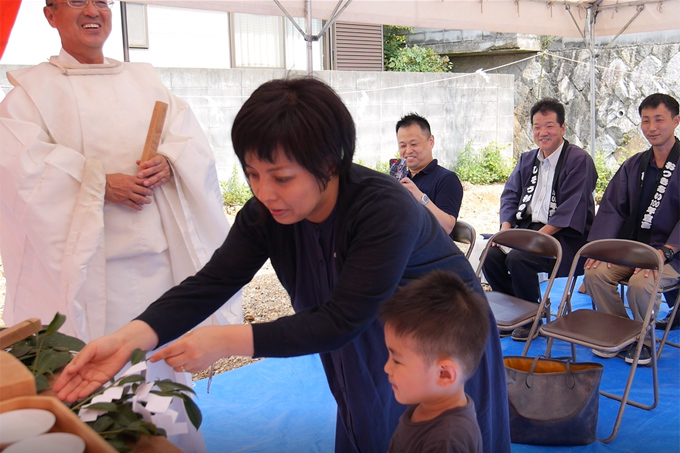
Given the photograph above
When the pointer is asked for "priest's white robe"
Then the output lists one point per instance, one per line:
(63, 127)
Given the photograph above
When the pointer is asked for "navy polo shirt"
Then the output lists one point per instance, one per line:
(441, 186)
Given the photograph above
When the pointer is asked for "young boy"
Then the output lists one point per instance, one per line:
(435, 330)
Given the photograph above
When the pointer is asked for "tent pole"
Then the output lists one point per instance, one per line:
(591, 45)
(124, 29)
(308, 39)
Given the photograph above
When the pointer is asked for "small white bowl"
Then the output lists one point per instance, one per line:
(50, 442)
(24, 423)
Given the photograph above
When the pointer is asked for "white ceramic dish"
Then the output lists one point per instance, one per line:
(24, 423)
(50, 442)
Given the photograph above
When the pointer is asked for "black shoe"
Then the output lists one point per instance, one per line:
(662, 324)
(522, 333)
(505, 333)
(645, 354)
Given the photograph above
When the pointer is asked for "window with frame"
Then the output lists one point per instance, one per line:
(137, 26)
(272, 42)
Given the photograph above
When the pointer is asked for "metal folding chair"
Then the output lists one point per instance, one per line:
(674, 313)
(512, 312)
(667, 291)
(464, 233)
(603, 331)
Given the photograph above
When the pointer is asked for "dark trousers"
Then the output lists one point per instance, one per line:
(516, 273)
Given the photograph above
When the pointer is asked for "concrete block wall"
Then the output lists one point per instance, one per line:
(461, 108)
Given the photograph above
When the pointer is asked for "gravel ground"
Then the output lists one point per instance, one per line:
(264, 299)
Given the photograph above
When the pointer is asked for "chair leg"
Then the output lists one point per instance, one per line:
(548, 347)
(629, 383)
(664, 340)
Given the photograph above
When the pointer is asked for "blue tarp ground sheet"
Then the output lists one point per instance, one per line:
(284, 405)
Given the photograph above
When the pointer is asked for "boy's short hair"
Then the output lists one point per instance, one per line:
(442, 317)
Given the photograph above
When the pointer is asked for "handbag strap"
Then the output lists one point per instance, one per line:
(571, 381)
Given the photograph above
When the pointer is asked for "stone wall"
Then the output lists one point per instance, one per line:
(461, 108)
(626, 71)
(624, 76)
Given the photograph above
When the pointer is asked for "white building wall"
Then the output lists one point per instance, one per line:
(178, 38)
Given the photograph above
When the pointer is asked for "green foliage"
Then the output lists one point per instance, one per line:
(234, 191)
(400, 57)
(604, 175)
(394, 39)
(46, 351)
(119, 425)
(487, 166)
(418, 59)
(383, 167)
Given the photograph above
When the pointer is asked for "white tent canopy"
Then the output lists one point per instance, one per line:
(566, 18)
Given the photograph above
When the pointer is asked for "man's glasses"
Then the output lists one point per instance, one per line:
(102, 5)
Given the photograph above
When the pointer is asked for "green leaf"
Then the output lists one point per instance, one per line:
(59, 340)
(46, 363)
(142, 427)
(137, 356)
(41, 383)
(193, 412)
(60, 359)
(126, 415)
(106, 407)
(55, 324)
(167, 385)
(131, 379)
(102, 423)
(119, 444)
(21, 350)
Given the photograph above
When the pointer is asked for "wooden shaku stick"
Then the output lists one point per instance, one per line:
(19, 332)
(153, 137)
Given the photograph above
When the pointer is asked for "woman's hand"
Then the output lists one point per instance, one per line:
(100, 360)
(200, 348)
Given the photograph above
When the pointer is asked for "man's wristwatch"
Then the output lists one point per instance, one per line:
(425, 200)
(668, 253)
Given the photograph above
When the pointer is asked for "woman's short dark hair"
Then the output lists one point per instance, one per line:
(303, 117)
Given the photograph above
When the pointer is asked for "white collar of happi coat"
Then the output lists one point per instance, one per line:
(68, 65)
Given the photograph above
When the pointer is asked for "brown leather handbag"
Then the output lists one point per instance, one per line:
(552, 401)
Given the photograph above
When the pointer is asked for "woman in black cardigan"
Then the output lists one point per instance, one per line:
(341, 238)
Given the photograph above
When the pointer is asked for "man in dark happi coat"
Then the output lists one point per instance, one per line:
(642, 203)
(551, 191)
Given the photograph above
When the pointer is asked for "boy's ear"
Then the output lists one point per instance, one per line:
(449, 372)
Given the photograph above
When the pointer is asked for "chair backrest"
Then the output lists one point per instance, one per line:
(623, 252)
(511, 312)
(464, 233)
(529, 241)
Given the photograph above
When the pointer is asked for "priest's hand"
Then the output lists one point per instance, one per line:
(155, 171)
(127, 190)
(100, 360)
(202, 347)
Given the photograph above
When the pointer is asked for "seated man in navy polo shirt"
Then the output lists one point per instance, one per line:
(432, 185)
